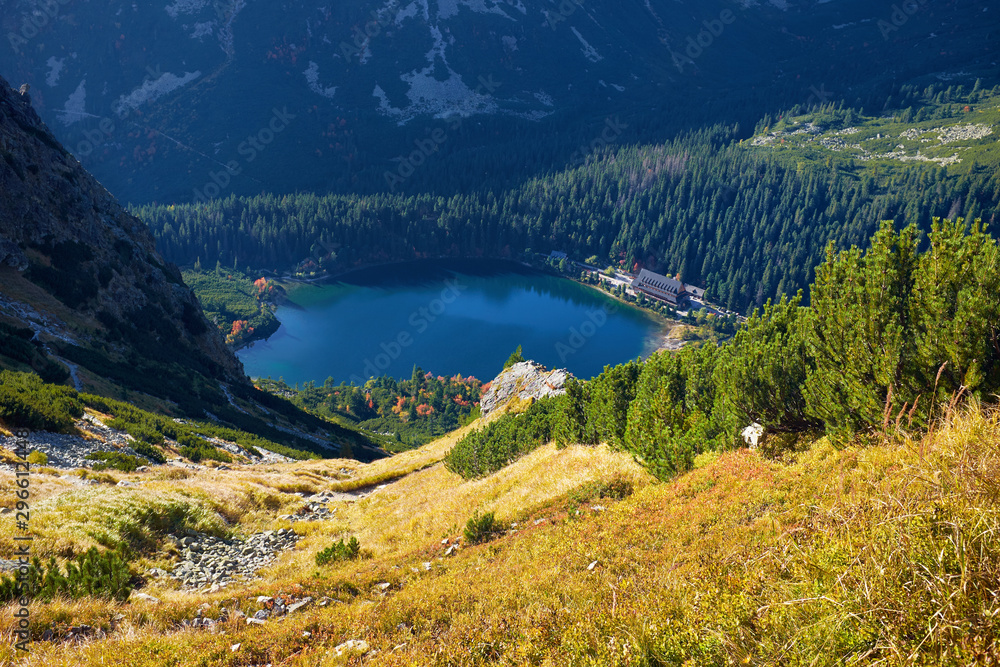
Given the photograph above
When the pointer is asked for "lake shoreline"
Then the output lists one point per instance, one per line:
(361, 317)
(291, 284)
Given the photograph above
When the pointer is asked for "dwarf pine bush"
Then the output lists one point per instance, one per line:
(482, 528)
(115, 461)
(338, 551)
(91, 574)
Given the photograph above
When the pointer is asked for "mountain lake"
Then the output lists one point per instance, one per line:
(448, 317)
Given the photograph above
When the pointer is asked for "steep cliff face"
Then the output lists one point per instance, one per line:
(84, 275)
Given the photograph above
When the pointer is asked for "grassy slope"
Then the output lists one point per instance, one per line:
(833, 556)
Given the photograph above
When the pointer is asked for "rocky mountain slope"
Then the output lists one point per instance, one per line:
(184, 99)
(78, 269)
(800, 560)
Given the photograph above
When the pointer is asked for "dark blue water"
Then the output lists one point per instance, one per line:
(448, 317)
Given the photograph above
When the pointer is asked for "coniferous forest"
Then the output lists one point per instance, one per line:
(746, 222)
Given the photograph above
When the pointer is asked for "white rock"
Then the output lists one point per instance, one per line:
(349, 649)
(255, 621)
(147, 598)
(235, 647)
(592, 565)
(751, 434)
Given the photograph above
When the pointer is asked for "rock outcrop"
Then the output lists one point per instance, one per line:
(526, 380)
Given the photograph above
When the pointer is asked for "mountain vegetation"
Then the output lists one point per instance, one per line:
(188, 101)
(407, 412)
(242, 308)
(894, 338)
(801, 559)
(85, 296)
(814, 484)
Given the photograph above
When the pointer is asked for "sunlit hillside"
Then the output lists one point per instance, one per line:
(863, 555)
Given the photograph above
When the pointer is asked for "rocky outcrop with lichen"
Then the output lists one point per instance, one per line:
(524, 381)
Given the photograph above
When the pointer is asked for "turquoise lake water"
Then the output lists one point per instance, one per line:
(447, 317)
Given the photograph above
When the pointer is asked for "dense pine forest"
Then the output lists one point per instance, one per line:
(745, 221)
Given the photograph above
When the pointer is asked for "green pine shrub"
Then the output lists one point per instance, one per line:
(27, 402)
(515, 357)
(482, 528)
(205, 453)
(149, 452)
(892, 339)
(93, 574)
(339, 551)
(37, 458)
(115, 461)
(197, 450)
(508, 438)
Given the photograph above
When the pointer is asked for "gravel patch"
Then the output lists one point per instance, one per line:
(214, 563)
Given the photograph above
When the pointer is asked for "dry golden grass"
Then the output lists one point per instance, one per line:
(877, 555)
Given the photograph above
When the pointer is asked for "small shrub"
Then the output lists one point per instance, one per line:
(482, 528)
(149, 452)
(37, 458)
(100, 477)
(515, 357)
(501, 442)
(784, 446)
(141, 432)
(196, 449)
(26, 401)
(91, 574)
(115, 461)
(339, 551)
(617, 488)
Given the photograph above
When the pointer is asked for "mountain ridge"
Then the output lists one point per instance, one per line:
(365, 91)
